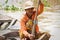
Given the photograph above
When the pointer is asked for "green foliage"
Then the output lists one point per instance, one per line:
(13, 8)
(6, 1)
(0, 6)
(7, 7)
(46, 4)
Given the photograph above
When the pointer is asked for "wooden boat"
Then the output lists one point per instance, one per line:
(15, 36)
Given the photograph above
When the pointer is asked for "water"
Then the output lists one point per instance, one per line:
(47, 21)
(50, 23)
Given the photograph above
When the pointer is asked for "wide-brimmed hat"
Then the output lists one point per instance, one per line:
(28, 4)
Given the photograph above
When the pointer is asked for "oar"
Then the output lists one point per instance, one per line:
(35, 21)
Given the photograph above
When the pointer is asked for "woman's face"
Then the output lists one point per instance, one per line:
(29, 11)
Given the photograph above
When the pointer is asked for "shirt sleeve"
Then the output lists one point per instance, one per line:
(23, 21)
(23, 26)
(40, 9)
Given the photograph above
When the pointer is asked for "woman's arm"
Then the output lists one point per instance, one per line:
(40, 8)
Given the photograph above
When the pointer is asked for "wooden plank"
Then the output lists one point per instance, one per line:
(5, 20)
(44, 37)
(4, 25)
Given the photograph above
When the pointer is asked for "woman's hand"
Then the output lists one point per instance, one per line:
(31, 36)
